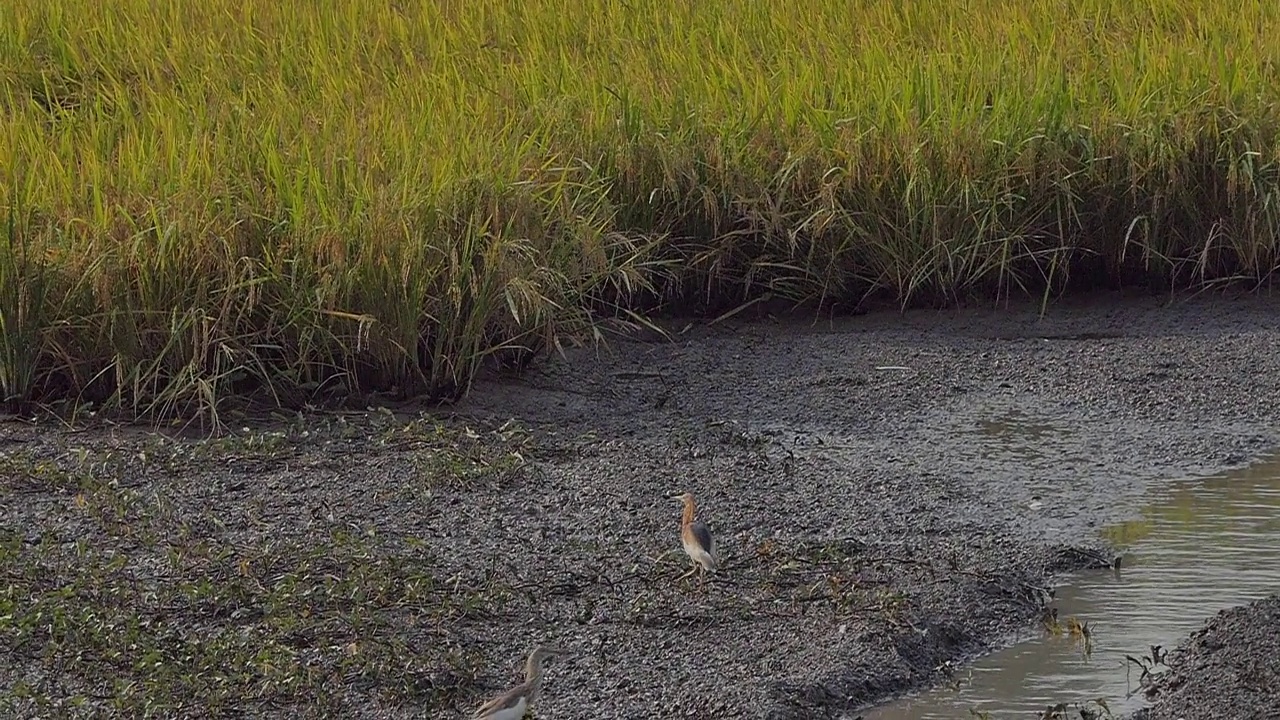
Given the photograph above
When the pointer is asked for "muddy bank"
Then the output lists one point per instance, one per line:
(1231, 668)
(890, 492)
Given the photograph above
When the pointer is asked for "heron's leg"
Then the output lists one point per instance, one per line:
(691, 571)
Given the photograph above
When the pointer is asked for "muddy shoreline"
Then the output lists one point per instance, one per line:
(891, 492)
(1230, 668)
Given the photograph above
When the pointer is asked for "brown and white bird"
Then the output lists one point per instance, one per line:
(514, 703)
(696, 539)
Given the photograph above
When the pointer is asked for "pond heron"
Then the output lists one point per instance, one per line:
(514, 703)
(696, 538)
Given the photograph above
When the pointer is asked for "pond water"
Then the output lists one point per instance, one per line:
(1211, 544)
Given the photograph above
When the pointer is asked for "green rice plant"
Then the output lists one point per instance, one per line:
(279, 200)
(21, 303)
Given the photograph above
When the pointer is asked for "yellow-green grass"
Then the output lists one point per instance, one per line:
(205, 199)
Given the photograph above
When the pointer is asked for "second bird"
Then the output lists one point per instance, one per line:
(696, 538)
(514, 703)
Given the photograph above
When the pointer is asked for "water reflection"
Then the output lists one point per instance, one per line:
(1014, 435)
(1214, 543)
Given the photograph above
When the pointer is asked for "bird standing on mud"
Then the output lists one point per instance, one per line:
(696, 538)
(514, 703)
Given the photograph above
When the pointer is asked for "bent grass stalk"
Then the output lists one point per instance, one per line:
(282, 200)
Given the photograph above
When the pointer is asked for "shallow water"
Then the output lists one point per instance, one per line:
(1213, 543)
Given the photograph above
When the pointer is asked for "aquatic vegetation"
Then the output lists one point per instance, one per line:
(1149, 667)
(1081, 633)
(1074, 628)
(1089, 710)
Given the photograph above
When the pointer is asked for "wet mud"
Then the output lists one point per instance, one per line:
(1231, 668)
(891, 494)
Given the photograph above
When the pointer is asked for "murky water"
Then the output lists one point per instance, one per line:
(1214, 543)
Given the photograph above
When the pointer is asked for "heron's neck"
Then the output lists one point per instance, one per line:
(687, 518)
(533, 670)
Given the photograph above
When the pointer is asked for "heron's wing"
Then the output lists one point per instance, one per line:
(504, 701)
(702, 534)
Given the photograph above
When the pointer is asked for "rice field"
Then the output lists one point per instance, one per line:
(217, 200)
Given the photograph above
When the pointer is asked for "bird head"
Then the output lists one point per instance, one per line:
(546, 651)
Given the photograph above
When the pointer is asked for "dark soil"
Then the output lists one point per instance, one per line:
(1230, 669)
(890, 493)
